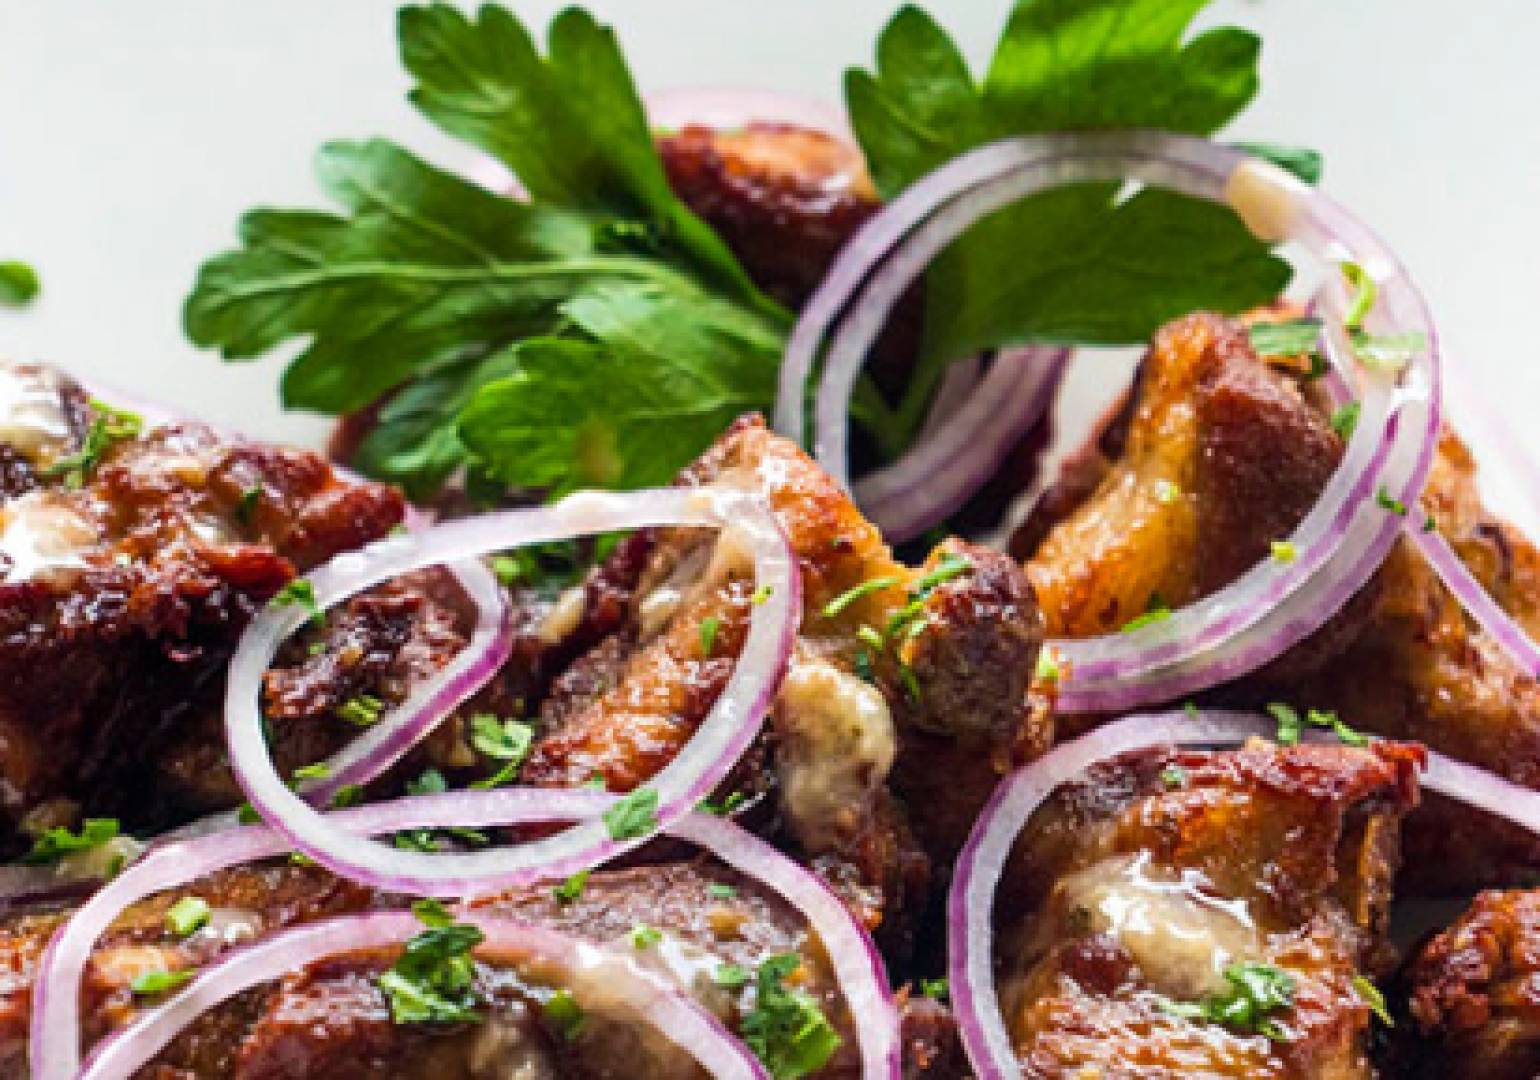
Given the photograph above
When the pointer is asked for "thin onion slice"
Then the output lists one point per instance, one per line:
(858, 967)
(1342, 539)
(970, 904)
(1474, 598)
(731, 725)
(966, 448)
(675, 1015)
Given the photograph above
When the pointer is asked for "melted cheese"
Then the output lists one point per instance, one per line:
(32, 418)
(39, 534)
(1181, 936)
(838, 746)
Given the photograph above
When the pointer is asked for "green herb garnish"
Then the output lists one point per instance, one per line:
(708, 634)
(109, 426)
(434, 981)
(1386, 501)
(564, 1014)
(19, 284)
(300, 593)
(731, 976)
(1371, 996)
(634, 816)
(508, 741)
(363, 710)
(871, 585)
(572, 888)
(59, 841)
(645, 937)
(935, 989)
(1284, 551)
(1285, 338)
(1291, 726)
(1155, 611)
(1345, 420)
(1256, 992)
(787, 1030)
(155, 983)
(187, 916)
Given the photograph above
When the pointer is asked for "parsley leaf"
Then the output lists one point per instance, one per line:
(18, 283)
(787, 1030)
(1255, 992)
(1285, 338)
(109, 426)
(59, 841)
(434, 981)
(1075, 264)
(634, 816)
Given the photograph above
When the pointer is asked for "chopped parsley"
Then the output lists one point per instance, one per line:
(155, 983)
(1155, 611)
(718, 891)
(564, 1014)
(866, 588)
(507, 741)
(1386, 501)
(362, 711)
(300, 593)
(1388, 352)
(572, 888)
(1365, 292)
(347, 795)
(1284, 551)
(59, 841)
(109, 427)
(317, 771)
(708, 634)
(187, 916)
(935, 989)
(762, 595)
(1371, 996)
(1048, 666)
(734, 800)
(19, 283)
(434, 981)
(431, 782)
(950, 566)
(731, 976)
(787, 1030)
(1344, 421)
(1256, 993)
(645, 937)
(1173, 777)
(634, 816)
(1290, 725)
(1289, 338)
(246, 505)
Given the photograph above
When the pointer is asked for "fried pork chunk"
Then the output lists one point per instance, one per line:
(1162, 885)
(892, 663)
(130, 561)
(1217, 454)
(687, 922)
(1472, 995)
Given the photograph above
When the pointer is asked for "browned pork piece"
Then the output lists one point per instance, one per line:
(1215, 455)
(131, 557)
(1470, 996)
(893, 665)
(706, 929)
(1204, 914)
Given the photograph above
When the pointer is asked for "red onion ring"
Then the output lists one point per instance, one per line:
(1474, 598)
(964, 450)
(1340, 541)
(668, 1009)
(858, 967)
(970, 904)
(731, 725)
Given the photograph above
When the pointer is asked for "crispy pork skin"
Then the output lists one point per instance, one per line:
(1142, 884)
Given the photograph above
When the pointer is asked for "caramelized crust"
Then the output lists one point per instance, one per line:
(1140, 884)
(123, 591)
(1473, 995)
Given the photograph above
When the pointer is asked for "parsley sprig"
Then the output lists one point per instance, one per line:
(1250, 1002)
(434, 981)
(787, 1030)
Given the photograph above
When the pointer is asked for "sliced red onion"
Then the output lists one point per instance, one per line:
(725, 108)
(731, 725)
(403, 727)
(1342, 539)
(1452, 570)
(940, 473)
(958, 383)
(55, 1032)
(666, 1008)
(970, 904)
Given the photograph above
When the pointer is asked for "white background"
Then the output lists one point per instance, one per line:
(132, 135)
